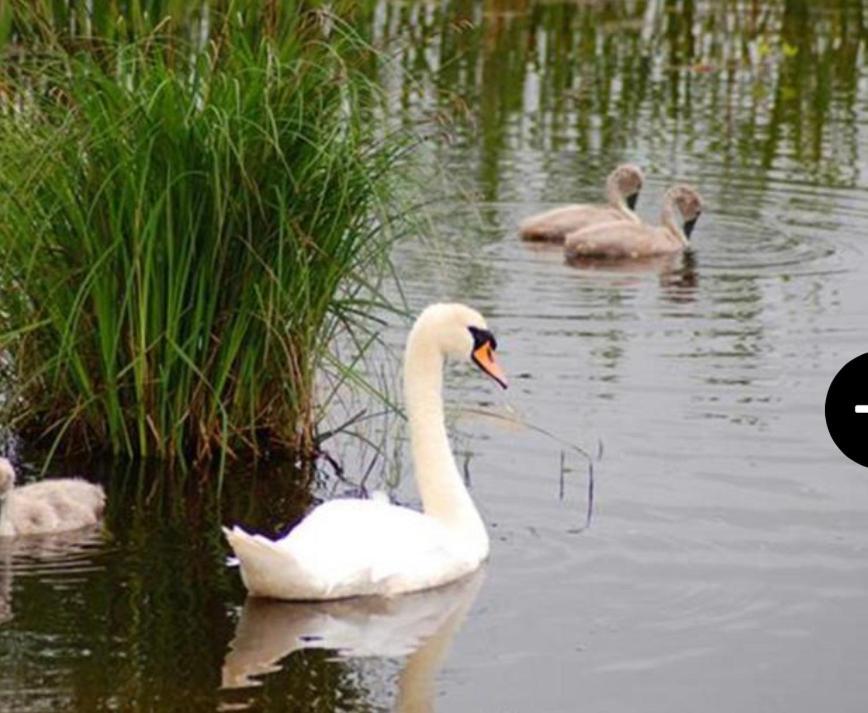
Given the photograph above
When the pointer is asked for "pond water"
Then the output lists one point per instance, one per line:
(720, 561)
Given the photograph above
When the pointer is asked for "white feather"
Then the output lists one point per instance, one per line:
(352, 547)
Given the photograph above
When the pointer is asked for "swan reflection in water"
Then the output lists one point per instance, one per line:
(678, 273)
(5, 584)
(32, 555)
(420, 626)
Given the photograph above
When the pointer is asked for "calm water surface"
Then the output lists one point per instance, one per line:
(725, 566)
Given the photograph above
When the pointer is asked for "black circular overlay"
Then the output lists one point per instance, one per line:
(847, 410)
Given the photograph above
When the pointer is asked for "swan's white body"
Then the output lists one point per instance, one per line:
(353, 547)
(50, 506)
(357, 547)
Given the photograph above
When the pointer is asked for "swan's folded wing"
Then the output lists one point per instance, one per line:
(426, 564)
(364, 544)
(613, 239)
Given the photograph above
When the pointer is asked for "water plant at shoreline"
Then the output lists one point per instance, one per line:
(185, 228)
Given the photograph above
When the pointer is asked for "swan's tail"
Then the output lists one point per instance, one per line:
(269, 569)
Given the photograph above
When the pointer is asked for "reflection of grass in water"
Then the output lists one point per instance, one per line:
(317, 681)
(185, 228)
(745, 86)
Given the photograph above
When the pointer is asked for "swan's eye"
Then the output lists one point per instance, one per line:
(481, 337)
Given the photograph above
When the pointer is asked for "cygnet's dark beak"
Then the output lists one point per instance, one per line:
(632, 200)
(689, 225)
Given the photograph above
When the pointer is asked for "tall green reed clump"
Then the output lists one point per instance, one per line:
(184, 228)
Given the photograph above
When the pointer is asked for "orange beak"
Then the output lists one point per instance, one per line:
(484, 358)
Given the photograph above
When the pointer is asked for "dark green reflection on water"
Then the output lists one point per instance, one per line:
(138, 617)
(743, 84)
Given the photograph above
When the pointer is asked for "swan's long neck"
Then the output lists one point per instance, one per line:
(444, 495)
(616, 200)
(5, 525)
(7, 485)
(669, 219)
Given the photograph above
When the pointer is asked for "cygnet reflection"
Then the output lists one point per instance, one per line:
(36, 554)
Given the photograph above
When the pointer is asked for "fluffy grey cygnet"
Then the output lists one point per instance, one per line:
(54, 505)
(622, 192)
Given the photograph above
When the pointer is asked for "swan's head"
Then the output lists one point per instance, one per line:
(7, 476)
(461, 333)
(688, 202)
(626, 181)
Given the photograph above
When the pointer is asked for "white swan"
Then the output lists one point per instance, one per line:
(622, 191)
(353, 547)
(54, 505)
